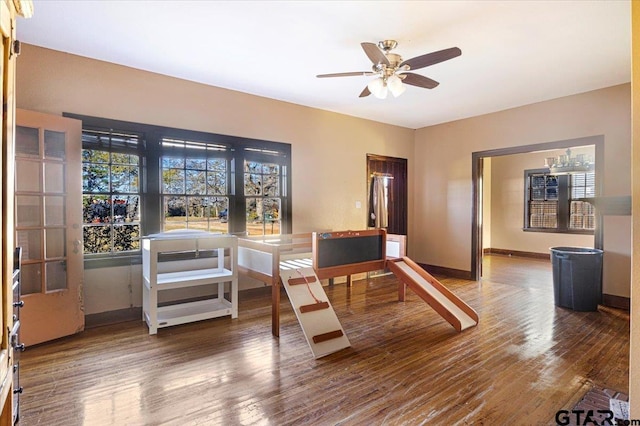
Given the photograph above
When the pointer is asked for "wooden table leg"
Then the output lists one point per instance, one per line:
(402, 291)
(275, 307)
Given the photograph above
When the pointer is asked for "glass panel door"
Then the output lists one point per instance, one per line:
(40, 201)
(48, 221)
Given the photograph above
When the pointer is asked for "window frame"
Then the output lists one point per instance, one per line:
(563, 208)
(192, 150)
(283, 174)
(111, 149)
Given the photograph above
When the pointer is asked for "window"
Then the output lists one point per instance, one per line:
(110, 192)
(582, 185)
(559, 203)
(195, 186)
(141, 179)
(263, 191)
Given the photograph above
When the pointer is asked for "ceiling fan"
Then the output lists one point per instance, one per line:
(392, 71)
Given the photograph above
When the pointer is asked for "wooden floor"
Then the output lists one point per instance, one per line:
(525, 360)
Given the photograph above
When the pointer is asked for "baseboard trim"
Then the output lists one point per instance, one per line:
(112, 317)
(618, 302)
(518, 253)
(447, 272)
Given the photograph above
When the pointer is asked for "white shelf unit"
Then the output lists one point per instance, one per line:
(179, 260)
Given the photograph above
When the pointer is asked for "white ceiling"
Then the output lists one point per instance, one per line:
(513, 52)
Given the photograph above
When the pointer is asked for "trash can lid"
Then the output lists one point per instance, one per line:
(576, 250)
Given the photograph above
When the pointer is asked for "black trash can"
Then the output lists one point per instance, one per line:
(577, 277)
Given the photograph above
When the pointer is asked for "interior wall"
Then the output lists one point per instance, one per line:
(443, 183)
(328, 149)
(507, 206)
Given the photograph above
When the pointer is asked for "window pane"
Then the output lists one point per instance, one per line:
(97, 239)
(175, 212)
(537, 193)
(543, 214)
(54, 144)
(252, 184)
(196, 163)
(197, 208)
(31, 243)
(271, 215)
(254, 216)
(126, 238)
(54, 211)
(216, 164)
(582, 215)
(271, 208)
(219, 208)
(117, 158)
(172, 162)
(94, 156)
(31, 278)
(28, 176)
(271, 169)
(96, 208)
(537, 181)
(173, 181)
(54, 177)
(252, 167)
(28, 208)
(271, 186)
(124, 178)
(95, 178)
(56, 273)
(27, 142)
(125, 208)
(551, 193)
(272, 228)
(196, 182)
(56, 243)
(216, 183)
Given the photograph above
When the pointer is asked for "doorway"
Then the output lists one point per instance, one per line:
(478, 165)
(395, 171)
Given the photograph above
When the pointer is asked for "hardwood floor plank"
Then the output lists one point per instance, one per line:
(525, 360)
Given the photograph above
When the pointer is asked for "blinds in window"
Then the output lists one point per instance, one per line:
(109, 140)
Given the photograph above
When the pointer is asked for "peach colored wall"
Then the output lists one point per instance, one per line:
(328, 149)
(634, 374)
(443, 184)
(507, 208)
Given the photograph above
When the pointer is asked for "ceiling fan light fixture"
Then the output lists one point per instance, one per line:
(378, 88)
(394, 83)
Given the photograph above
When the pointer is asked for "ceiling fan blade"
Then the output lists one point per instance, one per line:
(431, 58)
(418, 80)
(346, 74)
(365, 92)
(374, 53)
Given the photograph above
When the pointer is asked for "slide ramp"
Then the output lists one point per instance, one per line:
(453, 309)
(313, 309)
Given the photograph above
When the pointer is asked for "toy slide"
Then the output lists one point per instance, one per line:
(317, 318)
(460, 315)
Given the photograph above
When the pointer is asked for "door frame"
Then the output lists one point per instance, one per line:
(477, 166)
(404, 189)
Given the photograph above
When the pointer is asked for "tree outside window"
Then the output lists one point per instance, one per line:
(262, 183)
(110, 194)
(195, 187)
